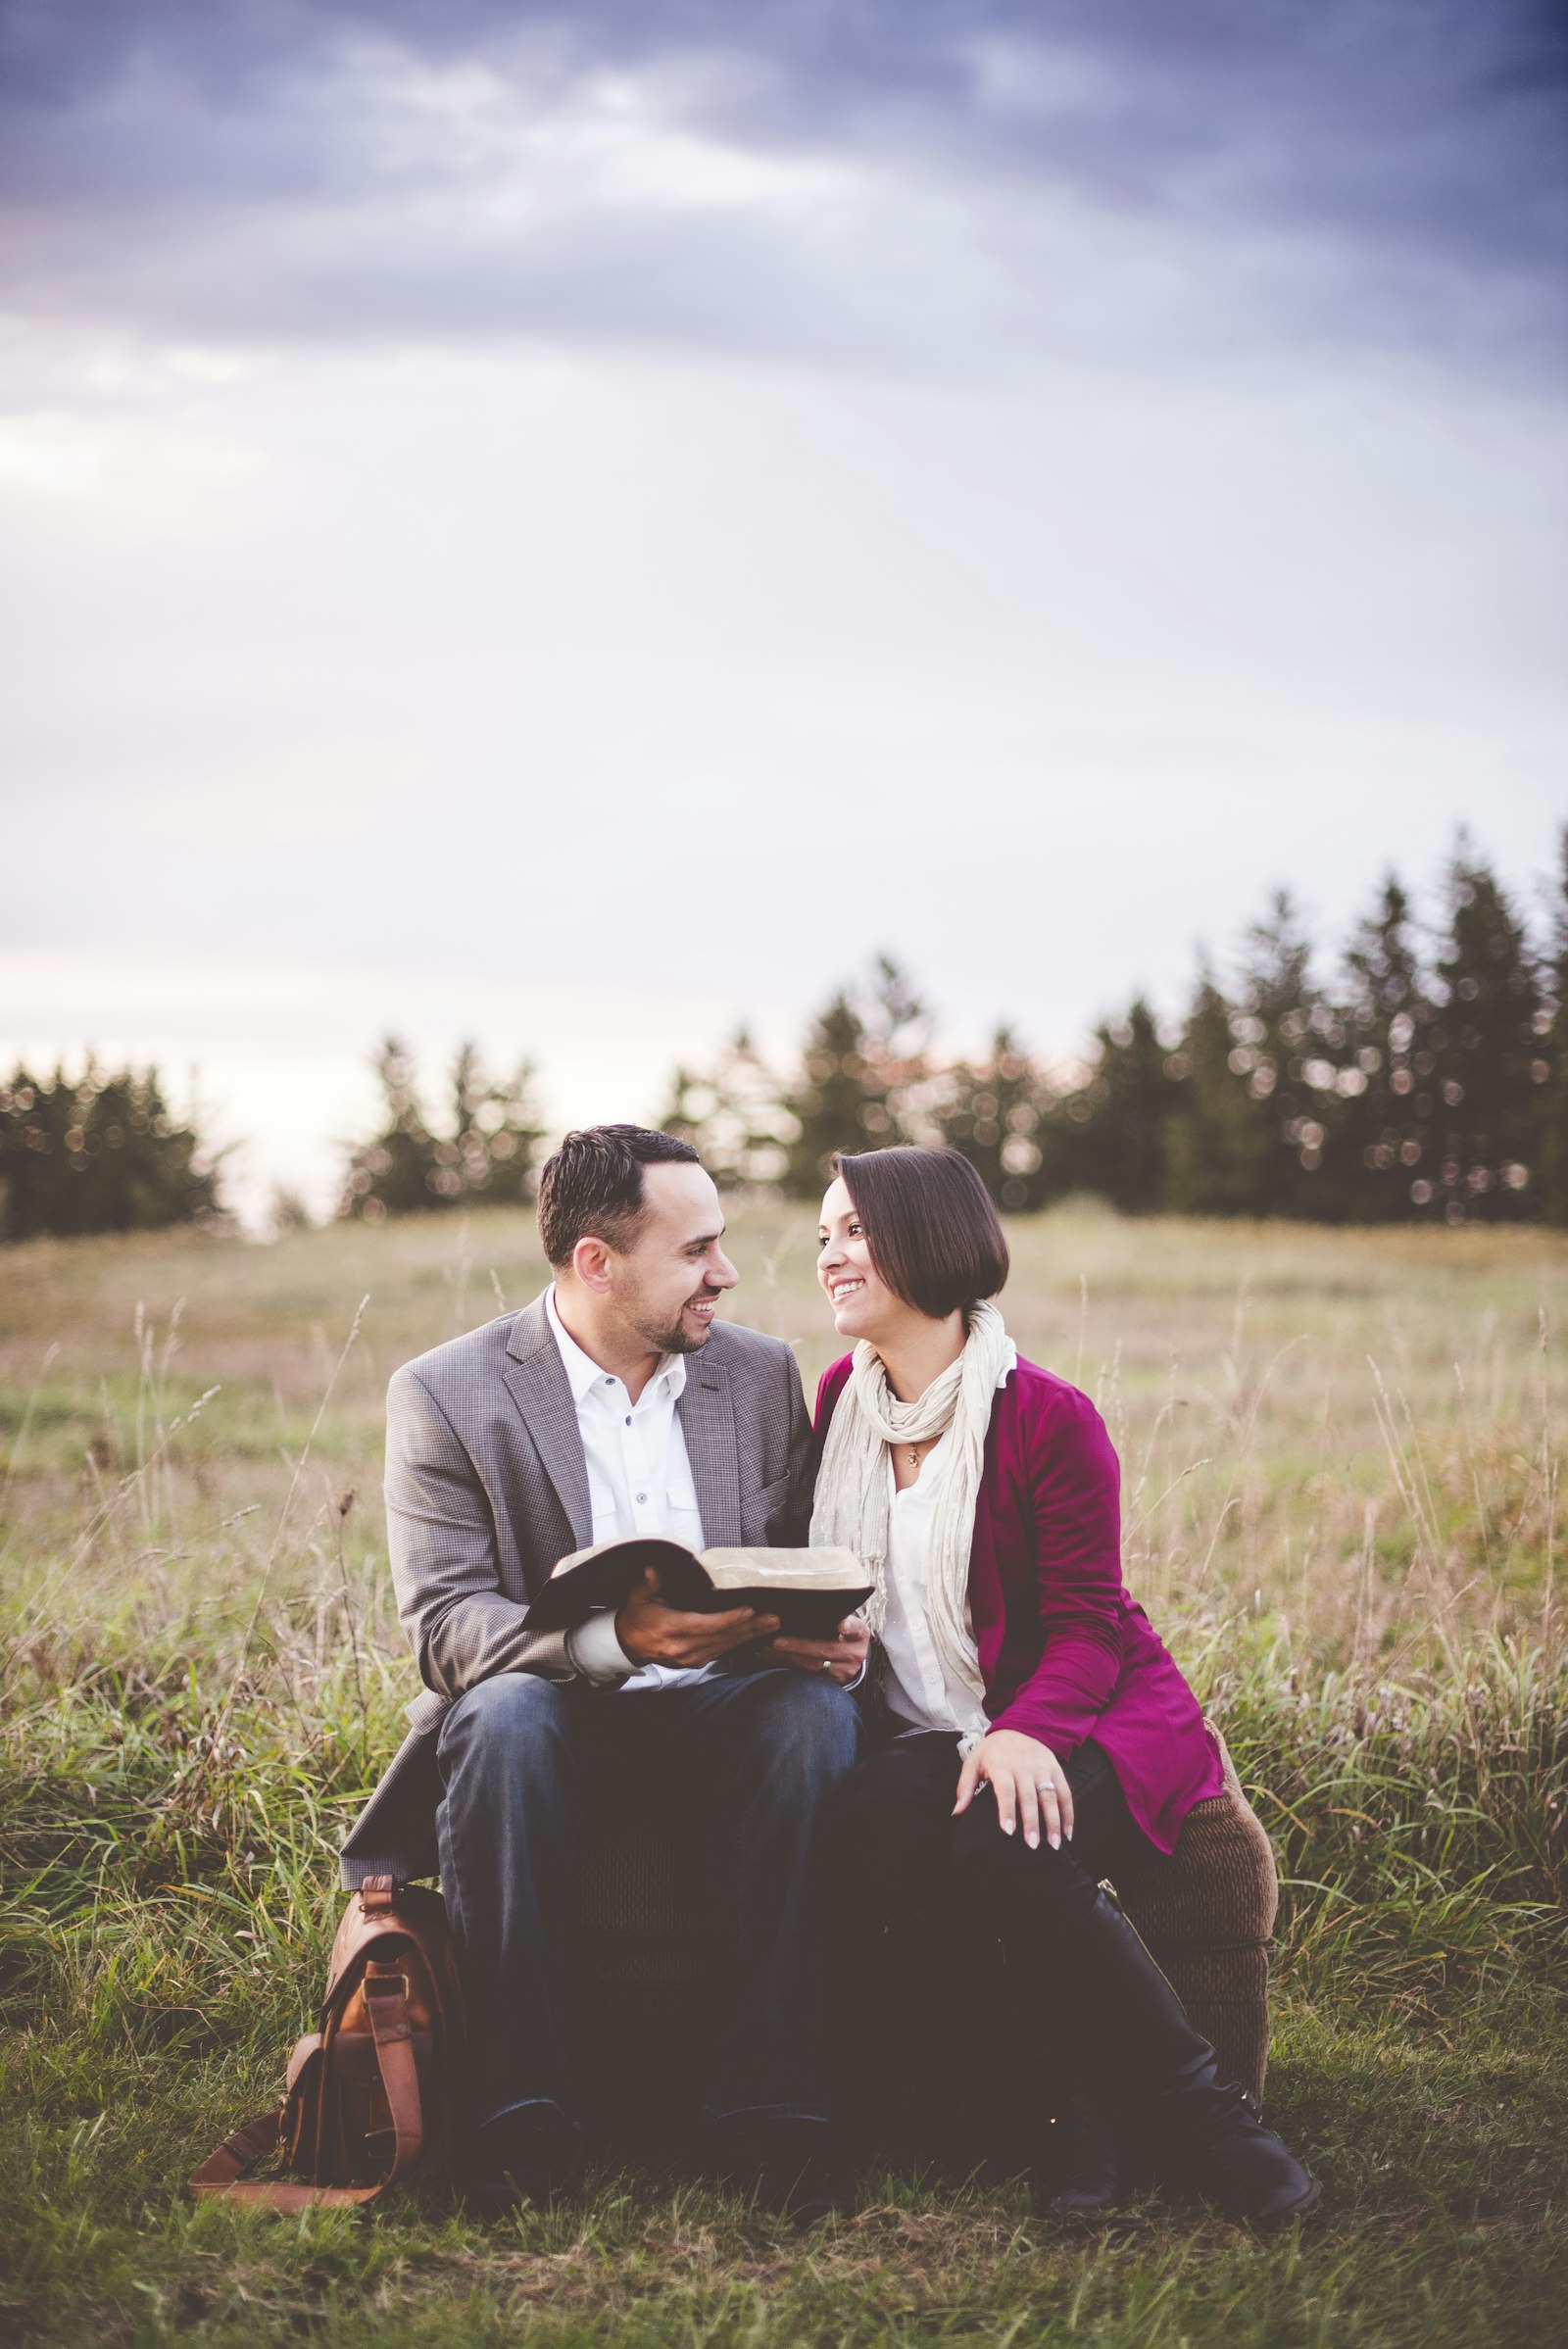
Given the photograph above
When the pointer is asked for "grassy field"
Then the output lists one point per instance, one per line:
(1342, 1458)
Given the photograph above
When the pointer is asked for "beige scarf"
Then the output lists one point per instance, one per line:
(852, 1508)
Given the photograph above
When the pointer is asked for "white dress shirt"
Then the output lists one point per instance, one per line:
(919, 1690)
(639, 1482)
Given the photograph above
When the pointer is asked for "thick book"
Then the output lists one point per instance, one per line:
(809, 1590)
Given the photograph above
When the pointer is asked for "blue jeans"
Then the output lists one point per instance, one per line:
(518, 1757)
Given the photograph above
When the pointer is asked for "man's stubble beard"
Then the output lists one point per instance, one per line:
(676, 1340)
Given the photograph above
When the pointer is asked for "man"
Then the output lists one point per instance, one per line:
(615, 1404)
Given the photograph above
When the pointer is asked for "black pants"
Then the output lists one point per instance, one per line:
(937, 1936)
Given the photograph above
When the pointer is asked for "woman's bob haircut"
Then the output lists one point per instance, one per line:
(930, 1228)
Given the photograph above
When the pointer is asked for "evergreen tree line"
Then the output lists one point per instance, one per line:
(1424, 1079)
(487, 1154)
(102, 1152)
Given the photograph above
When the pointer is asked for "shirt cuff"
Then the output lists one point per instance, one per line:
(593, 1649)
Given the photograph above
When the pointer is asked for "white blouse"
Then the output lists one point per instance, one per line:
(920, 1690)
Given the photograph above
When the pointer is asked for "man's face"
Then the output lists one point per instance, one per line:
(668, 1282)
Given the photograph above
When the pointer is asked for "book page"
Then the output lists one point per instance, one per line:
(784, 1569)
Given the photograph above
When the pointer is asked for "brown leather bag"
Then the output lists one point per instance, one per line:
(371, 2094)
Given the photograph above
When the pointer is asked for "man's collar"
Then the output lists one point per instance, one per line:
(584, 1374)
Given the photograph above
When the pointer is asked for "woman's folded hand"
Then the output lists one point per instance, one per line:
(1028, 1782)
(842, 1659)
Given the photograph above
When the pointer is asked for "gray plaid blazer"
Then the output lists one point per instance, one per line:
(487, 1491)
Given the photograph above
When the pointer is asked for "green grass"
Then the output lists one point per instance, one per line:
(1340, 1455)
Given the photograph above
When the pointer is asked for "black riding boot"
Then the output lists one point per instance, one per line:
(1161, 2080)
(1065, 2129)
(1076, 2169)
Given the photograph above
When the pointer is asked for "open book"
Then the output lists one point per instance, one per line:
(809, 1590)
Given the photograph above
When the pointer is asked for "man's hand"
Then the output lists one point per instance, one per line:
(1028, 1782)
(653, 1634)
(839, 1660)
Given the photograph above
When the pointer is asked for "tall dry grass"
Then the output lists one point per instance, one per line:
(1343, 1505)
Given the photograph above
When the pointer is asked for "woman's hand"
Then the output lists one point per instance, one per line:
(842, 1659)
(1028, 1782)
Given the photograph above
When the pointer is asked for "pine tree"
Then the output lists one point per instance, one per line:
(1399, 1093)
(101, 1154)
(396, 1173)
(992, 1110)
(1490, 996)
(733, 1118)
(856, 1064)
(1382, 1154)
(496, 1133)
(689, 1102)
(488, 1156)
(1218, 1145)
(830, 1102)
(1109, 1134)
(1549, 1069)
(1284, 1039)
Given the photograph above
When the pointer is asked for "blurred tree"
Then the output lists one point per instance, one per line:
(862, 1054)
(733, 1118)
(1111, 1133)
(1399, 1093)
(496, 1133)
(395, 1174)
(865, 1079)
(101, 1154)
(488, 1156)
(1217, 1142)
(1285, 1039)
(692, 1099)
(838, 1103)
(1381, 1155)
(993, 1110)
(1490, 998)
(1549, 1069)
(288, 1210)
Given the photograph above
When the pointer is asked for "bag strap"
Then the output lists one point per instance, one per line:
(387, 2002)
(224, 2170)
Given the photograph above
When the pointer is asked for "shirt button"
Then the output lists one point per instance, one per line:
(642, 1496)
(629, 1419)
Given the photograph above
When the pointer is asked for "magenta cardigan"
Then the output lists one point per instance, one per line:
(1065, 1652)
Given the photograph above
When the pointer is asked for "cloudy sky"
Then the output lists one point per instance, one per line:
(577, 525)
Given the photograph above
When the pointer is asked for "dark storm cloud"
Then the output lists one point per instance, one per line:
(1386, 169)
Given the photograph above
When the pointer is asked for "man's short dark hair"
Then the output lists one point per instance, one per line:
(592, 1188)
(930, 1227)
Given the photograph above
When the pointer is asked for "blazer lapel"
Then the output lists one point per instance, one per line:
(707, 1423)
(537, 1378)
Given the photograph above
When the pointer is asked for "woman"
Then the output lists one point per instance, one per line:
(1037, 1736)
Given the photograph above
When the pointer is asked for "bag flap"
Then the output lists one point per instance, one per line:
(304, 2049)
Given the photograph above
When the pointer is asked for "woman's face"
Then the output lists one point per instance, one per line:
(863, 1305)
